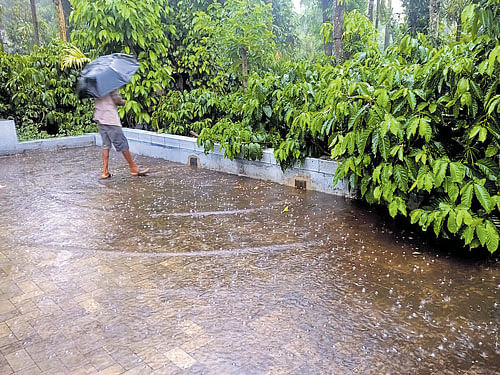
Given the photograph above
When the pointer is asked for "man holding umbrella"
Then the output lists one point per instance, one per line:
(101, 80)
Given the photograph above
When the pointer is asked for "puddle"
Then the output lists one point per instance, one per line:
(211, 265)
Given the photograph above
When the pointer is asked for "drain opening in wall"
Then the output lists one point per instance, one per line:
(193, 161)
(300, 184)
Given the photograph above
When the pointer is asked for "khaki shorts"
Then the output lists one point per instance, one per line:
(112, 134)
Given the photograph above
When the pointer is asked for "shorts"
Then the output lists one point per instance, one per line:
(112, 134)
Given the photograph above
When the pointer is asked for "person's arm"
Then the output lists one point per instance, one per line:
(117, 98)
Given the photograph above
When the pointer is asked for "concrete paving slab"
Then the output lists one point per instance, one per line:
(192, 271)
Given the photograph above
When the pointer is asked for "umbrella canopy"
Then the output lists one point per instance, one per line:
(105, 74)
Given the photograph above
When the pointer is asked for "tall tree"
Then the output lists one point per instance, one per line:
(388, 21)
(2, 11)
(452, 11)
(67, 9)
(434, 12)
(326, 10)
(417, 13)
(370, 9)
(36, 32)
(61, 20)
(338, 30)
(378, 13)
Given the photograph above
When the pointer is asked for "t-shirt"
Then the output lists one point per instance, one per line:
(105, 109)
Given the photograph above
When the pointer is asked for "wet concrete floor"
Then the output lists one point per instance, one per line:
(190, 271)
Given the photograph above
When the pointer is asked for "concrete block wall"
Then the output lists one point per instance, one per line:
(9, 143)
(313, 174)
(8, 138)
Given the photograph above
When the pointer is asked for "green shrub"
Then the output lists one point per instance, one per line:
(40, 96)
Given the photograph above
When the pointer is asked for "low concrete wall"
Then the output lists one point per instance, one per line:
(313, 174)
(8, 137)
(10, 145)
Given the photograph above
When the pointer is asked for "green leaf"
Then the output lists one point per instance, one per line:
(457, 171)
(415, 215)
(452, 190)
(383, 98)
(424, 129)
(365, 182)
(393, 208)
(488, 235)
(411, 100)
(439, 168)
(451, 224)
(483, 133)
(491, 150)
(401, 177)
(353, 120)
(489, 168)
(267, 110)
(362, 138)
(468, 234)
(467, 192)
(376, 173)
(483, 197)
(384, 145)
(412, 127)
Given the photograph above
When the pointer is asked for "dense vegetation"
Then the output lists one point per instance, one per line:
(415, 126)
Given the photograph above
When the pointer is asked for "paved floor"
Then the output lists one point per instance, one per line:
(189, 271)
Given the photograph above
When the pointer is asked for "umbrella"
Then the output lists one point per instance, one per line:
(105, 74)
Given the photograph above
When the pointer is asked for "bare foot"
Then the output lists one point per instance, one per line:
(139, 171)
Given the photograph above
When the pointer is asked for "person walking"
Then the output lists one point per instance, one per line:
(110, 129)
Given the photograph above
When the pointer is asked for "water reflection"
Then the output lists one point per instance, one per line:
(209, 264)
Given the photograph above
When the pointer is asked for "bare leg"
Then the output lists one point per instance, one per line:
(130, 161)
(105, 161)
(134, 169)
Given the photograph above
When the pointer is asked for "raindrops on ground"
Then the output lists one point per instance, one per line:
(235, 272)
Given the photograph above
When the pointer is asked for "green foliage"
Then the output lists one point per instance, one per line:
(359, 34)
(40, 96)
(237, 28)
(17, 25)
(138, 27)
(415, 128)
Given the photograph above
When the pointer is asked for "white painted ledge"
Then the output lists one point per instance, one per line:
(316, 174)
(313, 174)
(10, 145)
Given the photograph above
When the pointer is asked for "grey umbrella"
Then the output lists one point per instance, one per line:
(105, 74)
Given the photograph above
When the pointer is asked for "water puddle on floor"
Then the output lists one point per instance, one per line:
(197, 272)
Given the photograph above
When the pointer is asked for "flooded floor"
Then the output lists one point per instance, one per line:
(189, 271)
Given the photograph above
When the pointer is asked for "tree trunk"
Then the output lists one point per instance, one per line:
(61, 20)
(244, 67)
(387, 36)
(370, 10)
(412, 18)
(67, 9)
(338, 30)
(326, 11)
(434, 9)
(180, 83)
(377, 15)
(36, 32)
(459, 28)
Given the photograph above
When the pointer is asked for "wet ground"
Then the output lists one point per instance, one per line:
(189, 271)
